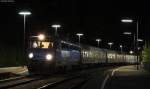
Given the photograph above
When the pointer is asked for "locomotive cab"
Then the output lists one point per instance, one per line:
(40, 55)
(46, 56)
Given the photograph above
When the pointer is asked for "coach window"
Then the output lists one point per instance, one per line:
(43, 45)
(50, 45)
(74, 48)
(64, 46)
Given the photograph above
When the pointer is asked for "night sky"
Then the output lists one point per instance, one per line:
(96, 19)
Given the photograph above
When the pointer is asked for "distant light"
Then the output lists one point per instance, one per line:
(140, 40)
(127, 20)
(110, 43)
(131, 52)
(41, 37)
(56, 26)
(121, 46)
(98, 40)
(139, 48)
(25, 13)
(127, 33)
(79, 34)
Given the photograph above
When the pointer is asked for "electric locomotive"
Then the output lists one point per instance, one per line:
(48, 55)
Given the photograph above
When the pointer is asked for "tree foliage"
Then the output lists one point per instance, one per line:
(146, 52)
(10, 56)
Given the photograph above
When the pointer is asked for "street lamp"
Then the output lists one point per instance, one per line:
(137, 29)
(98, 40)
(129, 33)
(121, 48)
(24, 13)
(56, 26)
(137, 33)
(110, 44)
(79, 35)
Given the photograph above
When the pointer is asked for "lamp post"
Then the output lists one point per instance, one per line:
(56, 26)
(110, 44)
(98, 40)
(24, 13)
(121, 48)
(137, 34)
(129, 33)
(137, 28)
(79, 35)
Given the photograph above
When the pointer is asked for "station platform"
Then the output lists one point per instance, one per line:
(129, 77)
(22, 70)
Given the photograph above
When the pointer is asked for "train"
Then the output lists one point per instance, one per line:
(53, 54)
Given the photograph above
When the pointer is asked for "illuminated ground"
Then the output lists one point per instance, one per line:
(128, 78)
(16, 70)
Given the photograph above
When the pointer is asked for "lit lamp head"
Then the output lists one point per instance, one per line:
(110, 43)
(139, 48)
(98, 40)
(127, 20)
(127, 33)
(131, 52)
(121, 46)
(140, 40)
(56, 26)
(25, 13)
(79, 34)
(41, 37)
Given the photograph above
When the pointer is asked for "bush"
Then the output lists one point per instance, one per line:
(11, 56)
(146, 54)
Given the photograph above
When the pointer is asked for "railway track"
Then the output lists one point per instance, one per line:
(78, 81)
(74, 82)
(11, 79)
(16, 81)
(68, 83)
(64, 81)
(27, 82)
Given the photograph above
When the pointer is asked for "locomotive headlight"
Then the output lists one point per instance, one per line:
(49, 57)
(30, 55)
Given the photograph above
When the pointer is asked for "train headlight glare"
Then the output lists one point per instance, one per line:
(49, 57)
(30, 55)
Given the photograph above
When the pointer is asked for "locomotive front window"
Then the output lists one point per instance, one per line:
(43, 44)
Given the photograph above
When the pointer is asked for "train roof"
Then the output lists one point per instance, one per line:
(69, 43)
(84, 46)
